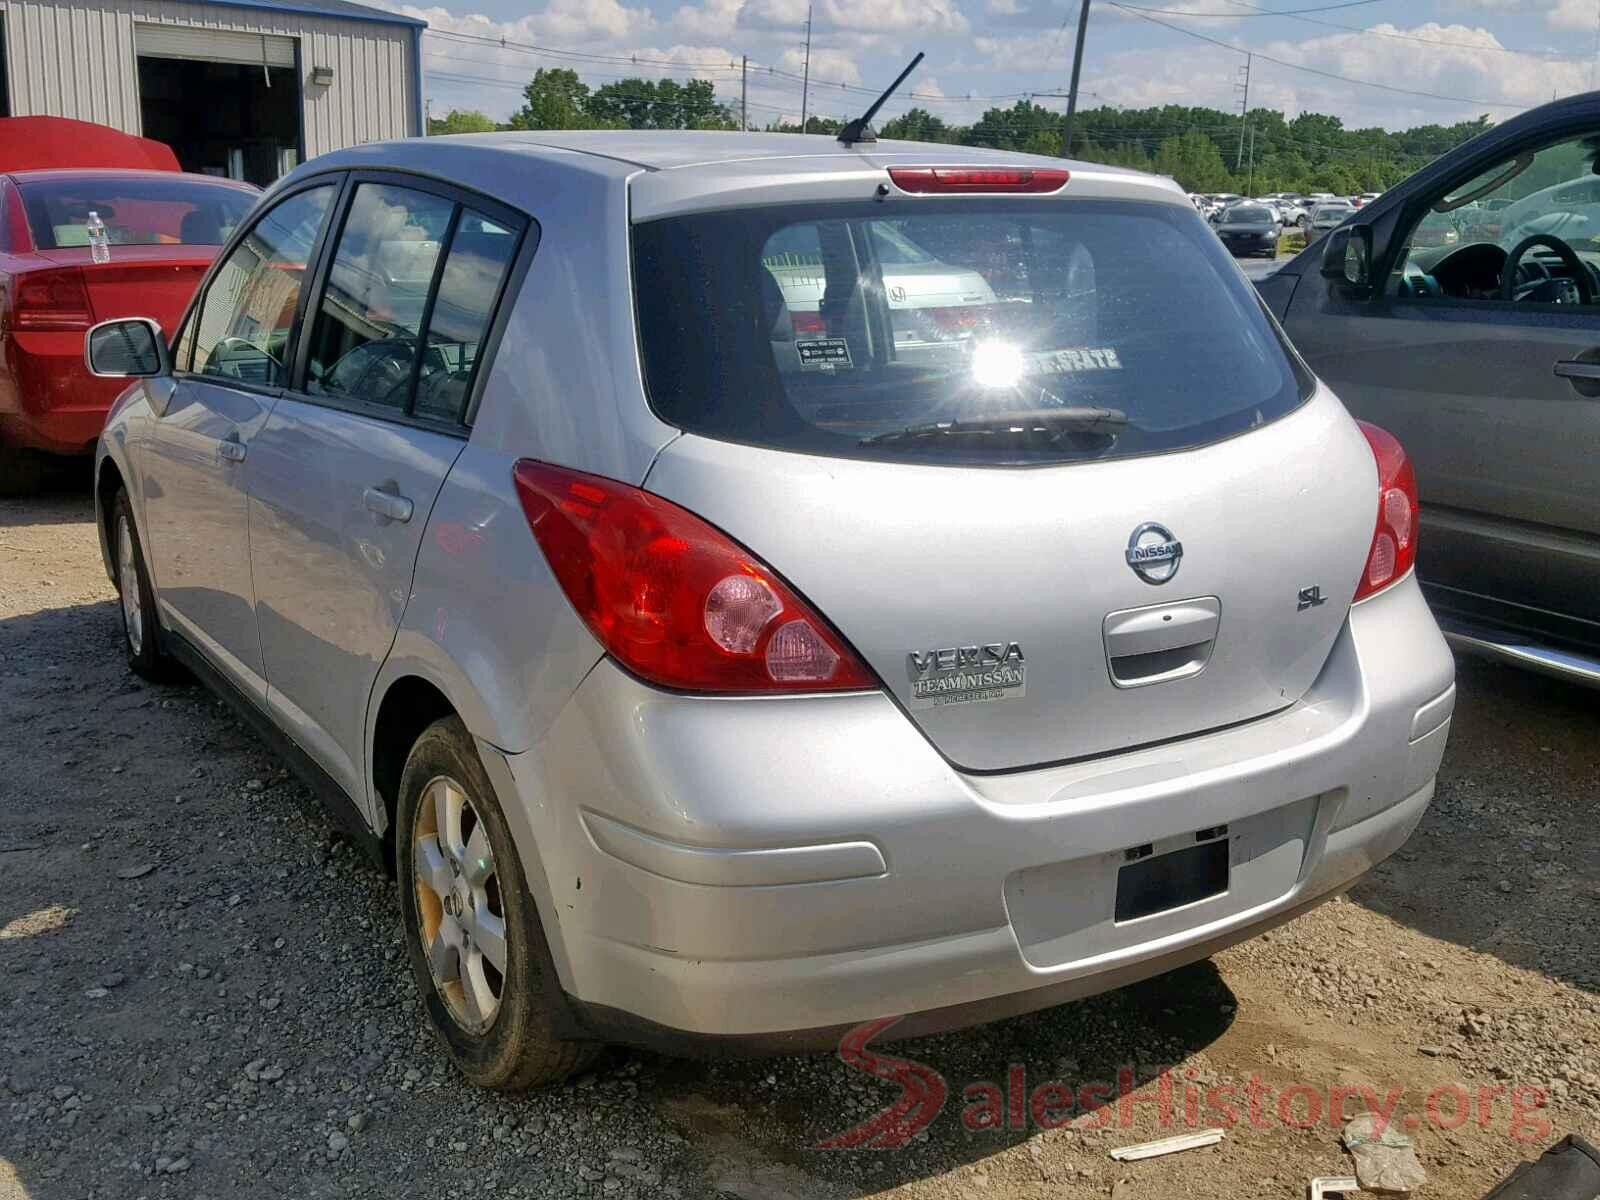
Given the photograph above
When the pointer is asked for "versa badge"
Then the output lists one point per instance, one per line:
(966, 674)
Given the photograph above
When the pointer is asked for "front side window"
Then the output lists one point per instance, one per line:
(242, 329)
(966, 330)
(1462, 245)
(367, 341)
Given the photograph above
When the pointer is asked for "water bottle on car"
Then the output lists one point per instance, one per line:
(99, 240)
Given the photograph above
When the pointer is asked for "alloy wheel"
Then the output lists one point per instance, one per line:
(459, 906)
(128, 588)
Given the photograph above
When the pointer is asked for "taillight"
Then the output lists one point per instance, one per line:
(49, 299)
(981, 180)
(674, 600)
(1394, 541)
(807, 323)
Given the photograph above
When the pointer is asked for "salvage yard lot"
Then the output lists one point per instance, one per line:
(203, 990)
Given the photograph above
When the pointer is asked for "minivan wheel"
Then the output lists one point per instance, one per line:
(472, 931)
(136, 598)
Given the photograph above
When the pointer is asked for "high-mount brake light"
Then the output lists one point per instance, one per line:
(1394, 541)
(673, 599)
(979, 180)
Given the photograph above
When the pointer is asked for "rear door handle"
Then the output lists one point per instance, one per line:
(389, 505)
(232, 449)
(1573, 368)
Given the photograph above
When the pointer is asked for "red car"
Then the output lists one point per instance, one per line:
(164, 228)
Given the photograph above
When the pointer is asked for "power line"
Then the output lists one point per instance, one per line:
(1386, 87)
(1265, 12)
(1394, 36)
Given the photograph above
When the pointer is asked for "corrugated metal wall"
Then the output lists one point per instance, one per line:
(77, 59)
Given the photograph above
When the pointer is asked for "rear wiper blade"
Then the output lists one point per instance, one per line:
(1075, 419)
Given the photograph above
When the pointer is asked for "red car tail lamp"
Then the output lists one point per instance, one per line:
(53, 298)
(673, 599)
(979, 180)
(1394, 541)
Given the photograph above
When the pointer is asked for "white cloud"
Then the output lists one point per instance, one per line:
(879, 16)
(1571, 14)
(570, 21)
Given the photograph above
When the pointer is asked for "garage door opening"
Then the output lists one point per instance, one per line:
(227, 103)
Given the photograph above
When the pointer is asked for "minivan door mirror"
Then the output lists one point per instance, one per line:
(130, 348)
(1347, 257)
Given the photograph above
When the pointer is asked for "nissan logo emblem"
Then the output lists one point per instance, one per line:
(1153, 553)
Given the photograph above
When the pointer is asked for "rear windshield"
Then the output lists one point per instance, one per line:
(1248, 214)
(956, 330)
(136, 211)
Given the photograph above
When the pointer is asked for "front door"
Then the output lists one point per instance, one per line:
(345, 470)
(230, 362)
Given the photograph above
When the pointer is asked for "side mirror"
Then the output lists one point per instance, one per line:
(130, 348)
(1347, 257)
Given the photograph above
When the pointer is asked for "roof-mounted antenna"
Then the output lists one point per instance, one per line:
(860, 130)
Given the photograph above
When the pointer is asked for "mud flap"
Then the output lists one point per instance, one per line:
(1569, 1170)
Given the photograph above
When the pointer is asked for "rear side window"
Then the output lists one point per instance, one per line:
(136, 210)
(408, 302)
(971, 330)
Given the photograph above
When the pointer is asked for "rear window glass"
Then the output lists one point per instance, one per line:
(136, 211)
(969, 330)
(1245, 214)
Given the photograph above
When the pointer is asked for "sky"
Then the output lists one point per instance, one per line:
(1470, 57)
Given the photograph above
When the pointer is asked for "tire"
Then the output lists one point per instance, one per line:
(141, 638)
(498, 1037)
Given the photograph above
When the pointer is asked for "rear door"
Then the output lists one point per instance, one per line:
(1497, 401)
(1085, 525)
(345, 470)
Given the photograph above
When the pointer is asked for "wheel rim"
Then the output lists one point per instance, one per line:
(128, 588)
(459, 908)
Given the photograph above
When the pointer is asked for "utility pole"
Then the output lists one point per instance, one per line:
(427, 120)
(744, 72)
(805, 79)
(1250, 186)
(1244, 109)
(1072, 88)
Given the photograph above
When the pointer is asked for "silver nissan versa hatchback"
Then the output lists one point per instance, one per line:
(723, 659)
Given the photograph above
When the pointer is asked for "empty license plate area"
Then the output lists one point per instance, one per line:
(1153, 883)
(1084, 908)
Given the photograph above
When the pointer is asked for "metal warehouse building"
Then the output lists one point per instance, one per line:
(242, 88)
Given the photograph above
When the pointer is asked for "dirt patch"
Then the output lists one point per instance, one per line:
(238, 1020)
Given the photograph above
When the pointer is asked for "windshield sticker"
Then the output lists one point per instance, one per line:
(967, 675)
(823, 354)
(1067, 362)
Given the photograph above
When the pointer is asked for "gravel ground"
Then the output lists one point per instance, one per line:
(202, 989)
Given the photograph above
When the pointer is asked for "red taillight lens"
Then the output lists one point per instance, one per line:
(1394, 541)
(981, 180)
(50, 299)
(676, 601)
(808, 323)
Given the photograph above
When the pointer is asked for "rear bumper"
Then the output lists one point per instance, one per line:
(770, 871)
(48, 399)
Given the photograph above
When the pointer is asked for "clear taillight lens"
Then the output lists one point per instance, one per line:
(1394, 541)
(676, 601)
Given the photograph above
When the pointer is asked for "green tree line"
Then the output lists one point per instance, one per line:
(1204, 149)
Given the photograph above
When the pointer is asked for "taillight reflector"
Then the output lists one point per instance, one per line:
(981, 180)
(676, 601)
(1394, 541)
(49, 299)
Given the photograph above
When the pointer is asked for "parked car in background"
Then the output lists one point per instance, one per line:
(1480, 347)
(1327, 215)
(624, 615)
(1364, 199)
(162, 229)
(1249, 228)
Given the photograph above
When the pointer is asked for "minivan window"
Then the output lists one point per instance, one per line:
(242, 328)
(969, 330)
